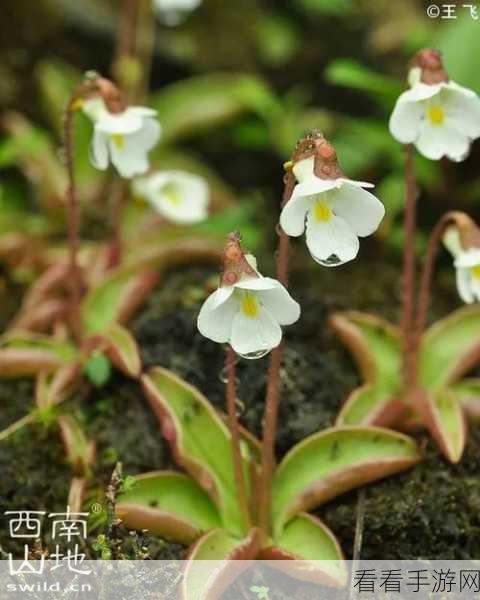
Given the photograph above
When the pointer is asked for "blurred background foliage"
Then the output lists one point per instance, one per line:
(235, 86)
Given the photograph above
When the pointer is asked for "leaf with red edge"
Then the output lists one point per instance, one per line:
(53, 388)
(450, 348)
(467, 392)
(199, 439)
(24, 353)
(375, 347)
(313, 550)
(122, 350)
(170, 504)
(443, 415)
(215, 561)
(81, 451)
(331, 462)
(115, 299)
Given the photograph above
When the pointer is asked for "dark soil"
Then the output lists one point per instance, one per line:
(432, 511)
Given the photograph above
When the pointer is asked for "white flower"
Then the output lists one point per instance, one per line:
(123, 138)
(467, 266)
(337, 212)
(178, 196)
(248, 315)
(173, 12)
(440, 119)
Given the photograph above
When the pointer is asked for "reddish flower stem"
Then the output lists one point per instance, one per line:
(408, 281)
(73, 214)
(427, 271)
(235, 433)
(118, 193)
(273, 382)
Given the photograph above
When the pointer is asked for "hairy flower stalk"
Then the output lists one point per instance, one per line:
(233, 425)
(425, 290)
(270, 416)
(73, 217)
(408, 278)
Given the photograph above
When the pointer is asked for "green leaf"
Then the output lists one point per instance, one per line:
(201, 102)
(115, 299)
(306, 538)
(450, 348)
(35, 153)
(23, 353)
(79, 449)
(443, 415)
(375, 347)
(200, 440)
(468, 394)
(334, 461)
(98, 369)
(123, 350)
(214, 562)
(169, 504)
(353, 74)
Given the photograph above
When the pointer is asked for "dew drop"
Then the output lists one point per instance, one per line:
(223, 375)
(331, 261)
(255, 355)
(240, 406)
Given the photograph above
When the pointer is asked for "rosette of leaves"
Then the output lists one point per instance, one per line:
(447, 351)
(200, 507)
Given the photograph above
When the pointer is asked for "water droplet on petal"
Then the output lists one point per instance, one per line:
(223, 375)
(255, 355)
(240, 407)
(331, 261)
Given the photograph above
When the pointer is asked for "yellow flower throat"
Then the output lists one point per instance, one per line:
(118, 140)
(436, 114)
(476, 271)
(323, 212)
(250, 305)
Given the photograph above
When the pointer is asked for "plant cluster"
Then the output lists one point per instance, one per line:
(233, 501)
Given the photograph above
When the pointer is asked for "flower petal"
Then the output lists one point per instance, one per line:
(451, 241)
(468, 258)
(463, 109)
(475, 287)
(292, 217)
(332, 237)
(257, 283)
(99, 150)
(280, 305)
(216, 315)
(404, 124)
(255, 335)
(463, 278)
(436, 141)
(123, 123)
(359, 208)
(191, 196)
